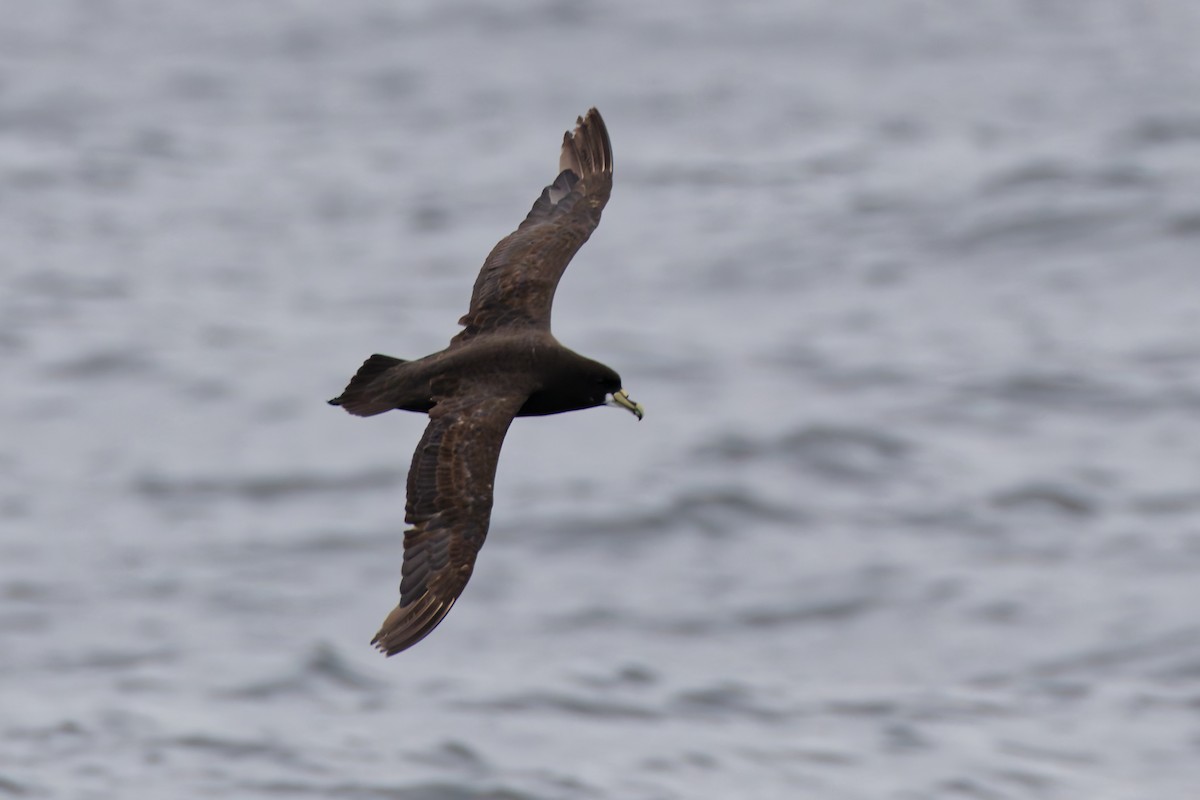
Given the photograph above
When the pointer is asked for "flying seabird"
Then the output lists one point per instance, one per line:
(505, 363)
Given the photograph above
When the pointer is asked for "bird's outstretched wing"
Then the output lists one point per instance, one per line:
(516, 286)
(449, 508)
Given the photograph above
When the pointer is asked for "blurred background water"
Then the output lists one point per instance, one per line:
(910, 290)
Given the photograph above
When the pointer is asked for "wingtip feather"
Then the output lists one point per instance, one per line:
(587, 150)
(409, 624)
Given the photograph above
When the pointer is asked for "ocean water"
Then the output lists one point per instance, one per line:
(910, 290)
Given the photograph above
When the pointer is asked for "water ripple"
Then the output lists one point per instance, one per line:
(266, 488)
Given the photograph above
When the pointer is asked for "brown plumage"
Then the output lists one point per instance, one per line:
(505, 363)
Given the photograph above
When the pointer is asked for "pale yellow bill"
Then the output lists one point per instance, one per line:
(621, 398)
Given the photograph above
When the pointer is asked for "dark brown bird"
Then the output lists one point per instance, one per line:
(505, 363)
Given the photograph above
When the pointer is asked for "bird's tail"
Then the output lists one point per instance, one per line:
(358, 397)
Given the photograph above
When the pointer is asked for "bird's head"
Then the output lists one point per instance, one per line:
(610, 393)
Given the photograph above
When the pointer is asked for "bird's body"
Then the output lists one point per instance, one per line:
(533, 363)
(504, 364)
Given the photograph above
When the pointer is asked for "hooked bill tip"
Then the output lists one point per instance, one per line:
(622, 399)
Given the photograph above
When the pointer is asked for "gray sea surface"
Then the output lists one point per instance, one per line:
(910, 291)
